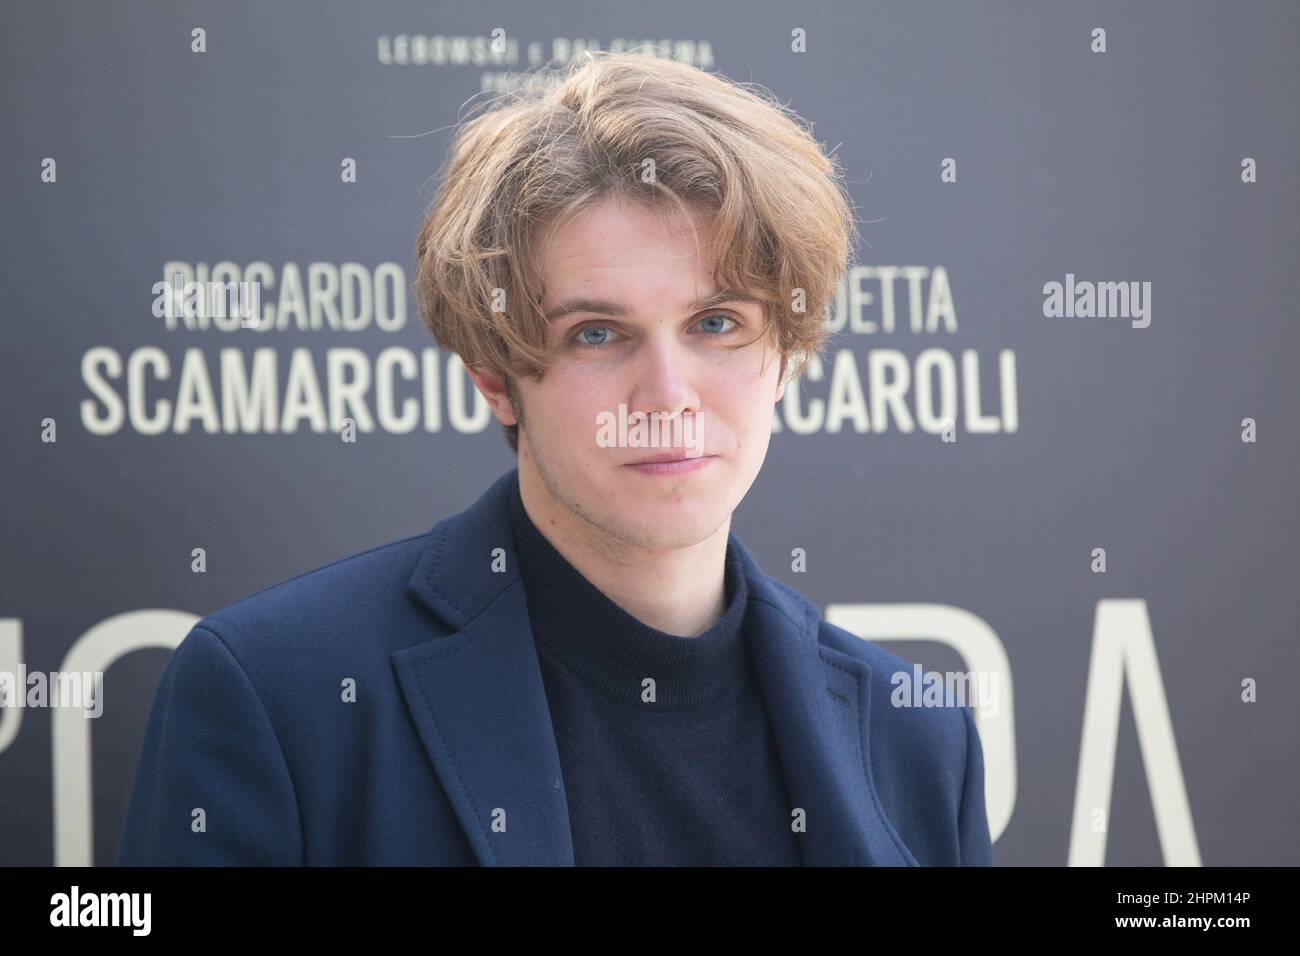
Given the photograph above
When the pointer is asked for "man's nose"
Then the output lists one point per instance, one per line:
(662, 380)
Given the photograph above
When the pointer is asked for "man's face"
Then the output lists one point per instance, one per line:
(652, 349)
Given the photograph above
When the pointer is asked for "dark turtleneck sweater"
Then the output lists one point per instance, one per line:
(689, 778)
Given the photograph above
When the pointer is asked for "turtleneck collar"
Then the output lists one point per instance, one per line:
(606, 646)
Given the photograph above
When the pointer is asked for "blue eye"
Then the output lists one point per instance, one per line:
(592, 328)
(718, 315)
(583, 343)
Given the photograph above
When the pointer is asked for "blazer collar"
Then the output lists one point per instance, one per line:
(478, 702)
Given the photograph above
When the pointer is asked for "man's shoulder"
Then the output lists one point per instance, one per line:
(358, 610)
(344, 600)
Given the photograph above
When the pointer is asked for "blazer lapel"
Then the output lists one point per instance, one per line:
(819, 704)
(476, 694)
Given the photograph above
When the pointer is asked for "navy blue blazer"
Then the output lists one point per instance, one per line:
(254, 755)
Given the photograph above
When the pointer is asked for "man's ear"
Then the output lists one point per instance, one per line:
(493, 388)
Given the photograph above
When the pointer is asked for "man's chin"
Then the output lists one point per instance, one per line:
(673, 523)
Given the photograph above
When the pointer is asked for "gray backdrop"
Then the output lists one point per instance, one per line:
(991, 148)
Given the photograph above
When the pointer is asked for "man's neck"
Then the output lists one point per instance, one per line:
(679, 591)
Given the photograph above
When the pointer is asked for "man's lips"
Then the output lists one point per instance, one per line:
(674, 455)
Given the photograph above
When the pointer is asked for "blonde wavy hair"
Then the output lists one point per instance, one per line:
(781, 225)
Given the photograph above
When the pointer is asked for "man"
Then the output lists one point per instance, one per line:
(586, 666)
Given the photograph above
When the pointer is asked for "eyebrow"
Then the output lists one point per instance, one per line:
(603, 307)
